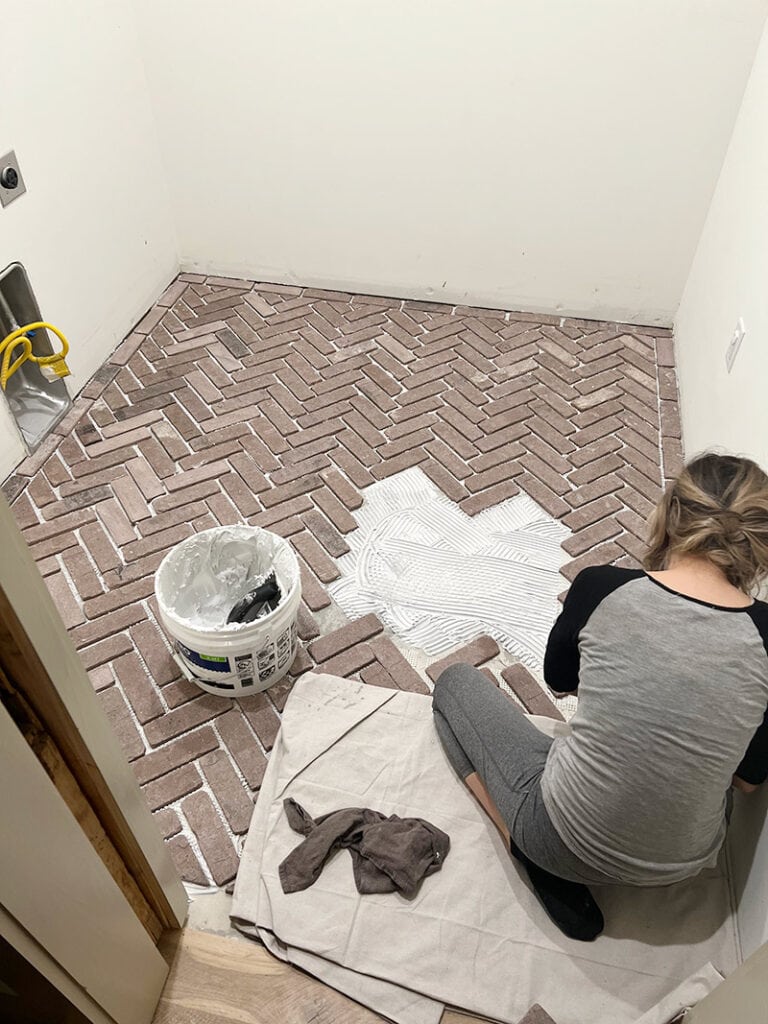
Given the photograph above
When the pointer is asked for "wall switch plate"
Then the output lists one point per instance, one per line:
(11, 182)
(735, 343)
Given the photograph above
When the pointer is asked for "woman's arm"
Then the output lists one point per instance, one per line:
(753, 770)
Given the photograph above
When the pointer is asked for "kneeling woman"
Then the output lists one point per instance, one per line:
(671, 668)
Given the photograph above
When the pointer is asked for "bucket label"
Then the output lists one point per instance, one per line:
(210, 662)
(244, 668)
(266, 662)
(283, 648)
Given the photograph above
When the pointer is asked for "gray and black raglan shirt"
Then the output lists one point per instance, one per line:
(672, 703)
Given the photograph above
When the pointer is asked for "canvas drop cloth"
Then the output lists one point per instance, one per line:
(475, 937)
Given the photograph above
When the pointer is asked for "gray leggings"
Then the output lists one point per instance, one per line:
(482, 731)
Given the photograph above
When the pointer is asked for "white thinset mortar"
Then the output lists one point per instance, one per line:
(439, 578)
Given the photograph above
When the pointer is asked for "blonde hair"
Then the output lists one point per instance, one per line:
(717, 507)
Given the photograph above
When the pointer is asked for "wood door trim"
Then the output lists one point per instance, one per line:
(77, 775)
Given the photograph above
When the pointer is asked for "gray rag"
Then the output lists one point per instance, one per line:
(389, 854)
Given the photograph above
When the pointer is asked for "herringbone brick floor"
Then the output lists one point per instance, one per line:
(277, 406)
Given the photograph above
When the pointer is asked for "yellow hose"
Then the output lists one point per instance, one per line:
(19, 337)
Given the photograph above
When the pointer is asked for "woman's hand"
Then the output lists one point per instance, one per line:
(742, 786)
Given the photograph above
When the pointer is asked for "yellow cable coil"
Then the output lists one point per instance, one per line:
(52, 367)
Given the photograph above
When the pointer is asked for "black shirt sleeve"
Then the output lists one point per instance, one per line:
(754, 767)
(561, 660)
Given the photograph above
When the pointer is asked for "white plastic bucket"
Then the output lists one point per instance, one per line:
(197, 585)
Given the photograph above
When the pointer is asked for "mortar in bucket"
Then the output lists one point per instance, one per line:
(197, 585)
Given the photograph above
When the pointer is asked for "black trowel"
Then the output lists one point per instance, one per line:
(257, 602)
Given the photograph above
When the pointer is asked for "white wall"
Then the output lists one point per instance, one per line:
(729, 279)
(95, 228)
(543, 154)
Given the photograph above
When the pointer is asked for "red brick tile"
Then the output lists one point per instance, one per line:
(171, 787)
(343, 490)
(397, 666)
(141, 693)
(323, 567)
(489, 497)
(66, 604)
(175, 754)
(352, 468)
(603, 554)
(242, 745)
(350, 661)
(186, 861)
(230, 793)
(105, 650)
(474, 653)
(528, 691)
(342, 639)
(113, 703)
(262, 718)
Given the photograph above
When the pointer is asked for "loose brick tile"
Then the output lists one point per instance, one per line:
(325, 533)
(142, 695)
(377, 675)
(593, 511)
(175, 754)
(324, 568)
(592, 452)
(529, 693)
(491, 477)
(650, 489)
(291, 490)
(475, 653)
(99, 547)
(594, 470)
(334, 510)
(542, 495)
(230, 793)
(184, 718)
(597, 489)
(168, 821)
(399, 462)
(242, 745)
(66, 604)
(162, 540)
(113, 703)
(306, 623)
(352, 468)
(105, 650)
(350, 661)
(602, 530)
(489, 497)
(342, 639)
(186, 861)
(603, 554)
(215, 845)
(262, 718)
(107, 625)
(196, 476)
(446, 481)
(397, 666)
(301, 663)
(343, 490)
(171, 787)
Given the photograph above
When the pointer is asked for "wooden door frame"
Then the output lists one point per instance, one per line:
(40, 660)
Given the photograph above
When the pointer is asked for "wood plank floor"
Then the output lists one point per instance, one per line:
(217, 980)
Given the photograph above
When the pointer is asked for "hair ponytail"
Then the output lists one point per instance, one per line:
(717, 507)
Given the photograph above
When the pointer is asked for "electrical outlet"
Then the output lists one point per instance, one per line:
(11, 182)
(735, 344)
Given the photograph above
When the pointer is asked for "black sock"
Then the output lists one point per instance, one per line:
(569, 904)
